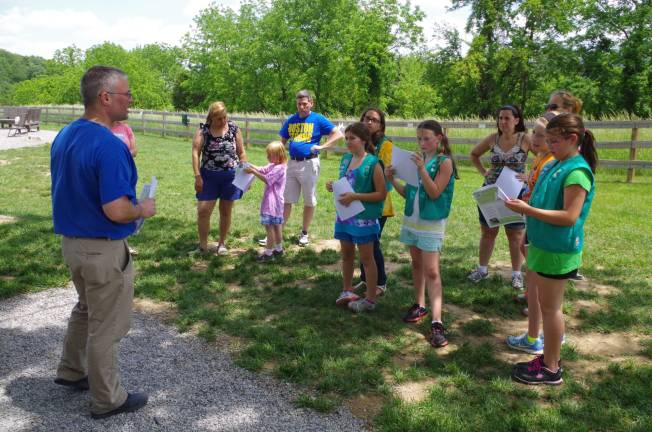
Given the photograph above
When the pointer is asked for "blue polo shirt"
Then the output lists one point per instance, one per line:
(303, 133)
(90, 167)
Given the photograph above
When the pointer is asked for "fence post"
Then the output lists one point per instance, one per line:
(632, 154)
(142, 120)
(247, 136)
(46, 117)
(164, 119)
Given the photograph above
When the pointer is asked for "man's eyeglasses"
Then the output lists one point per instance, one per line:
(551, 107)
(127, 93)
(371, 120)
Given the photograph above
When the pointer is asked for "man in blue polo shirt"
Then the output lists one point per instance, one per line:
(304, 130)
(94, 208)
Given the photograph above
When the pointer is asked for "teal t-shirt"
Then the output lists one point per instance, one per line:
(555, 263)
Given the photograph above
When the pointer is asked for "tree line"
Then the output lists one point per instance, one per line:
(354, 53)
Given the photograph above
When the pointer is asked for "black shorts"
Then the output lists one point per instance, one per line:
(570, 275)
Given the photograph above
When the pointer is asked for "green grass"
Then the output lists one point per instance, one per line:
(284, 318)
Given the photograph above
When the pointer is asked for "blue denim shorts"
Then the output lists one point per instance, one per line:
(218, 185)
(266, 219)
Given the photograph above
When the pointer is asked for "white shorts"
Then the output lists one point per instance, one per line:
(302, 176)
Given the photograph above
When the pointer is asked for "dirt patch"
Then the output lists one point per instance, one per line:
(607, 345)
(199, 266)
(7, 219)
(4, 162)
(365, 407)
(322, 245)
(413, 392)
(587, 305)
(165, 311)
(601, 290)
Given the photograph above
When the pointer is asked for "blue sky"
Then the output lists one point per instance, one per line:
(39, 27)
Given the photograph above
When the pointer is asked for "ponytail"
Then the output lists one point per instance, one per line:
(588, 150)
(568, 123)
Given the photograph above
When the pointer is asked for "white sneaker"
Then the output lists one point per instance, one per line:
(303, 239)
(362, 305)
(222, 250)
(345, 297)
(263, 241)
(360, 285)
(517, 282)
(476, 275)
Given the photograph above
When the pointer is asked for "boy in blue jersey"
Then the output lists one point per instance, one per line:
(94, 208)
(304, 130)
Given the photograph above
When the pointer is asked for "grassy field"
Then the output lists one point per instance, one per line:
(281, 319)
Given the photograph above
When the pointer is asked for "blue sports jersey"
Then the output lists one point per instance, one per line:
(90, 167)
(303, 133)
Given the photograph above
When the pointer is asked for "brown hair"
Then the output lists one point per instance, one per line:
(516, 112)
(361, 131)
(571, 124)
(276, 148)
(381, 133)
(445, 148)
(301, 94)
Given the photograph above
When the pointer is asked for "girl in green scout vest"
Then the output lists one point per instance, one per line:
(555, 215)
(426, 210)
(365, 175)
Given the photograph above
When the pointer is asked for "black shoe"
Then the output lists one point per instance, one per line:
(415, 314)
(80, 384)
(536, 372)
(262, 258)
(437, 338)
(134, 402)
(277, 253)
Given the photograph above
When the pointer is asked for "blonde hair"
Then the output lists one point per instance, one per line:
(277, 149)
(215, 108)
(545, 118)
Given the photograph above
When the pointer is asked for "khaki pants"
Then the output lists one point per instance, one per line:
(103, 275)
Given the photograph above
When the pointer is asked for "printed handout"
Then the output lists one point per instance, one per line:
(491, 200)
(242, 179)
(345, 212)
(148, 191)
(405, 169)
(509, 183)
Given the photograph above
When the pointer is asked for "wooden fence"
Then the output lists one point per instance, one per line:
(259, 130)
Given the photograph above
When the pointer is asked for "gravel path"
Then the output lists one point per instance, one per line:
(191, 384)
(26, 140)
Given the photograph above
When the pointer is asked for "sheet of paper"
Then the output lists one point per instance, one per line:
(405, 169)
(148, 191)
(345, 212)
(242, 179)
(490, 199)
(509, 183)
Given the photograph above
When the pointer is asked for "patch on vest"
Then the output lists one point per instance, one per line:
(577, 241)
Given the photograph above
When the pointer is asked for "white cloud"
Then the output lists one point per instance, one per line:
(41, 32)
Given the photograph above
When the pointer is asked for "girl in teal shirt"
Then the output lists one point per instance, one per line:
(556, 214)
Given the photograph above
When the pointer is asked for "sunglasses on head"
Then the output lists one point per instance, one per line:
(551, 107)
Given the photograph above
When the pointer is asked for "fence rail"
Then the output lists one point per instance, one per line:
(183, 124)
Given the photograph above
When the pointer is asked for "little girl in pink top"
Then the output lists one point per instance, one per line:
(271, 207)
(124, 132)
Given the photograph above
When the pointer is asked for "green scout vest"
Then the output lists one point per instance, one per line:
(364, 183)
(549, 194)
(430, 209)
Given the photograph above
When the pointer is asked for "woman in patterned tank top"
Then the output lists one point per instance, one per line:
(217, 149)
(508, 147)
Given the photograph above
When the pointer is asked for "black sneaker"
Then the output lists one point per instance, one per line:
(536, 372)
(134, 402)
(578, 277)
(437, 338)
(262, 258)
(277, 253)
(415, 314)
